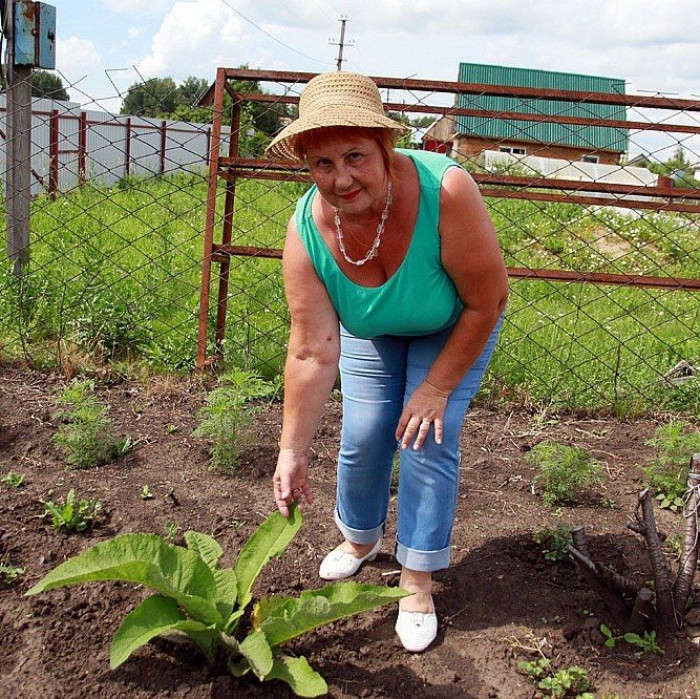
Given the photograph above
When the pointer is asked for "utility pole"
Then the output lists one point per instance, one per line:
(341, 44)
(18, 144)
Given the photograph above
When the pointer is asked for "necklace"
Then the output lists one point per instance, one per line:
(372, 252)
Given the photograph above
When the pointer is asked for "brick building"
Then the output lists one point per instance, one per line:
(469, 136)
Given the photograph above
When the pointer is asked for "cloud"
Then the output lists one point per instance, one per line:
(76, 56)
(134, 32)
(193, 39)
(136, 6)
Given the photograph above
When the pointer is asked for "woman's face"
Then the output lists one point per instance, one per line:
(349, 171)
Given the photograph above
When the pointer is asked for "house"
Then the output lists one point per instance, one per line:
(469, 136)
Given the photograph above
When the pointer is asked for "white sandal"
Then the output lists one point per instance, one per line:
(339, 564)
(417, 630)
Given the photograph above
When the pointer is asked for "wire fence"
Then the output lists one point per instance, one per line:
(173, 266)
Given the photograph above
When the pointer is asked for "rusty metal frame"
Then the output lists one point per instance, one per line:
(232, 167)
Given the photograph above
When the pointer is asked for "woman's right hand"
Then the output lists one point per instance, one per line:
(290, 482)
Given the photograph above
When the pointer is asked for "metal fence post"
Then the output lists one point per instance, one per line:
(53, 152)
(82, 149)
(163, 144)
(127, 149)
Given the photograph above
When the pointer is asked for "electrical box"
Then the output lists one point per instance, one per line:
(35, 34)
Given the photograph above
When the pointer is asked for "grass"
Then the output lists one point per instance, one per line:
(115, 279)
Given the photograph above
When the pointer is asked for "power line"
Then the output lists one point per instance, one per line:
(266, 33)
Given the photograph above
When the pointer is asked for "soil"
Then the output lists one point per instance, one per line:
(498, 602)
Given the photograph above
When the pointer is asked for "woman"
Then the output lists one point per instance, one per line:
(392, 270)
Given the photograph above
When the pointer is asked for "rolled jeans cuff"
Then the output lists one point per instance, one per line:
(359, 536)
(424, 561)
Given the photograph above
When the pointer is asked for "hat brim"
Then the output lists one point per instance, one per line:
(282, 146)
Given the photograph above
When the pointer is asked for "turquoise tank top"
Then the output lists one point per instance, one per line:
(419, 298)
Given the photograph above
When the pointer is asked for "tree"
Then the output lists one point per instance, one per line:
(156, 98)
(162, 98)
(45, 84)
(678, 167)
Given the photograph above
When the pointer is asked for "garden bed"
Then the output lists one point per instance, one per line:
(499, 600)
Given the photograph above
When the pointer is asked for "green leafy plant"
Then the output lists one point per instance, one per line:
(564, 471)
(554, 541)
(195, 596)
(228, 413)
(145, 493)
(668, 472)
(567, 683)
(9, 573)
(14, 480)
(171, 531)
(646, 643)
(72, 515)
(85, 433)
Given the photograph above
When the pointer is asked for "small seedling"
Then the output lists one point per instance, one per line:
(569, 682)
(146, 493)
(646, 643)
(224, 420)
(171, 531)
(564, 471)
(555, 541)
(72, 515)
(14, 480)
(668, 473)
(85, 433)
(9, 573)
(171, 429)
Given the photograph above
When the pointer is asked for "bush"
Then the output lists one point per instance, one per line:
(564, 471)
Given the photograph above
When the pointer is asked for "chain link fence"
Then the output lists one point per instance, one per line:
(156, 242)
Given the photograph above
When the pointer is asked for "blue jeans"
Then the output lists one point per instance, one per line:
(377, 378)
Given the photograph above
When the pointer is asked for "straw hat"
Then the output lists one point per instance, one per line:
(340, 98)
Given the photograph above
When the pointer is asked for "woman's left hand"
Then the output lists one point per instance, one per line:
(425, 407)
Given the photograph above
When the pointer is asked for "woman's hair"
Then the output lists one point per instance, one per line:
(385, 139)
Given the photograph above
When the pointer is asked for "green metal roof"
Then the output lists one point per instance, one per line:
(593, 137)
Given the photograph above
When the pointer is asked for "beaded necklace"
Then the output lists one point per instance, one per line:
(373, 251)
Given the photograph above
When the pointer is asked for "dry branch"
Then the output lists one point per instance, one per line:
(613, 601)
(689, 560)
(665, 616)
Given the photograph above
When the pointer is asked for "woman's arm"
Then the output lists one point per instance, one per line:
(472, 257)
(310, 370)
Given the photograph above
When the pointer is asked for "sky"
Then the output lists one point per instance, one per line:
(653, 45)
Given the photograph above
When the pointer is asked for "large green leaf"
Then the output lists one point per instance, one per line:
(226, 591)
(299, 675)
(152, 617)
(315, 608)
(148, 560)
(204, 545)
(269, 539)
(257, 651)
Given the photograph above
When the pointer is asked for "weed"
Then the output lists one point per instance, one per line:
(668, 473)
(567, 683)
(71, 514)
(86, 430)
(171, 531)
(555, 541)
(145, 493)
(9, 573)
(228, 413)
(14, 480)
(195, 596)
(565, 471)
(646, 643)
